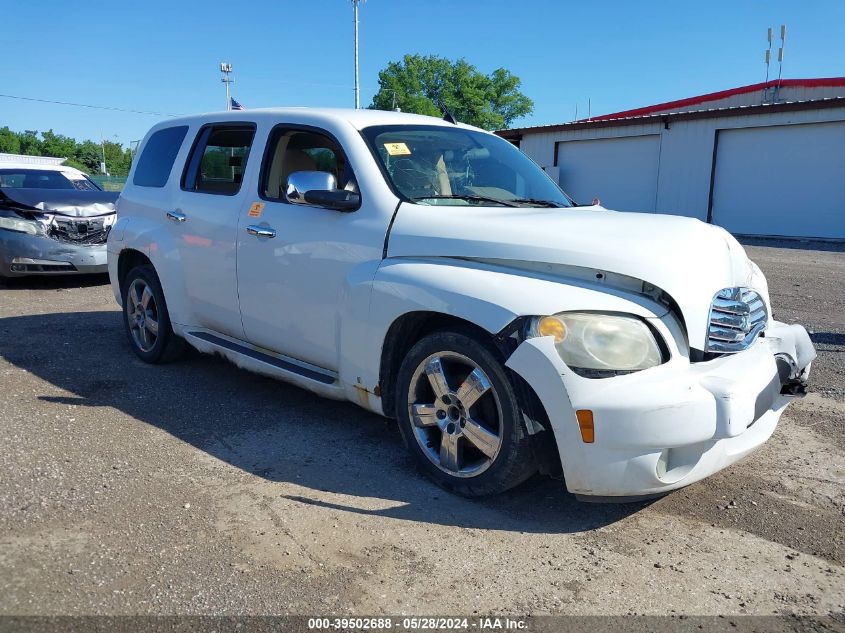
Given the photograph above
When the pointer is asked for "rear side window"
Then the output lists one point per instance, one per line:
(218, 159)
(158, 156)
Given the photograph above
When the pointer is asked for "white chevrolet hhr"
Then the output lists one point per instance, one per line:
(430, 272)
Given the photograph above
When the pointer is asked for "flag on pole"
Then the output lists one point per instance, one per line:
(236, 105)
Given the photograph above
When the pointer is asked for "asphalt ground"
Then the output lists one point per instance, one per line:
(198, 488)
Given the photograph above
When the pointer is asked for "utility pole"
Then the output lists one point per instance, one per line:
(226, 69)
(103, 169)
(357, 84)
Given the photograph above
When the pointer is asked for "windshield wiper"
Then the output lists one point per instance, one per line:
(466, 196)
(539, 203)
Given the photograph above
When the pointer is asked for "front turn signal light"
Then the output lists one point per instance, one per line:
(551, 326)
(585, 423)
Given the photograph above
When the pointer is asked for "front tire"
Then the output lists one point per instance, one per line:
(460, 417)
(146, 320)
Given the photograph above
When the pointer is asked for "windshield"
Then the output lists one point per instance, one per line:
(439, 165)
(45, 179)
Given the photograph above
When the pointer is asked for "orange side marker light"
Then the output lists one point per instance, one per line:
(585, 423)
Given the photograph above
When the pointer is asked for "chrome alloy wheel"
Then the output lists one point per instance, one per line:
(456, 414)
(142, 315)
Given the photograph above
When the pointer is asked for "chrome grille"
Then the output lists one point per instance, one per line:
(737, 316)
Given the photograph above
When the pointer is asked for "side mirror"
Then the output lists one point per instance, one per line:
(338, 199)
(319, 188)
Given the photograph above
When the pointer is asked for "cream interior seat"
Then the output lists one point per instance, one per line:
(287, 159)
(295, 160)
(285, 162)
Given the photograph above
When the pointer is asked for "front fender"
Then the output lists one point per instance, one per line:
(486, 295)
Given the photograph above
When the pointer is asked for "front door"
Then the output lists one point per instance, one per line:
(294, 259)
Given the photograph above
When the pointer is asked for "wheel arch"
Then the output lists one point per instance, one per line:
(128, 259)
(408, 329)
(405, 332)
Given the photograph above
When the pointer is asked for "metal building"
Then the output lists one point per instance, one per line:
(766, 159)
(24, 159)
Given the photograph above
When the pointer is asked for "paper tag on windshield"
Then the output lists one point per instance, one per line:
(397, 149)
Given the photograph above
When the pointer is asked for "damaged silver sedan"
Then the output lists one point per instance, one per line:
(48, 230)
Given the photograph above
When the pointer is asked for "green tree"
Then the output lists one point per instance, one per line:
(10, 142)
(117, 158)
(87, 157)
(426, 84)
(57, 145)
(30, 143)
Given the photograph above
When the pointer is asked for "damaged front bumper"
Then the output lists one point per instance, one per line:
(666, 427)
(54, 231)
(24, 254)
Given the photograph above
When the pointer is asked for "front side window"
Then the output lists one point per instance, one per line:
(218, 160)
(440, 165)
(156, 161)
(292, 150)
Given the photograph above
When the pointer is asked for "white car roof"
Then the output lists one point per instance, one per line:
(34, 166)
(359, 119)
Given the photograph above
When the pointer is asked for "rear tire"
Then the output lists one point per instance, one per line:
(146, 320)
(460, 417)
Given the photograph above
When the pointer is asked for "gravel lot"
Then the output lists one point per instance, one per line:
(199, 488)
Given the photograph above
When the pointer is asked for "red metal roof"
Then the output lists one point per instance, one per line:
(515, 134)
(722, 94)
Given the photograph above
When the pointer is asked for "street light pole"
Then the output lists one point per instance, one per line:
(357, 85)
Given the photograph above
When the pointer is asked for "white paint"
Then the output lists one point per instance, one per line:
(659, 429)
(690, 260)
(321, 295)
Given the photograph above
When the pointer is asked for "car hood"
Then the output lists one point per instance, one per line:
(69, 202)
(686, 258)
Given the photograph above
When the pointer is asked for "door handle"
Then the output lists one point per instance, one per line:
(176, 216)
(261, 231)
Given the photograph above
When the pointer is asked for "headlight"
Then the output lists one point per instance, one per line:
(601, 344)
(21, 226)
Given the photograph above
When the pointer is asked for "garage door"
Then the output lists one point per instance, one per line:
(782, 180)
(620, 171)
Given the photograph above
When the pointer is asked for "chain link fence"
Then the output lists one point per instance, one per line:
(110, 183)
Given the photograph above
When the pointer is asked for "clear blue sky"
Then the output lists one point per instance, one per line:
(164, 56)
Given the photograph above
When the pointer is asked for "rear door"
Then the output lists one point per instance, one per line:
(204, 222)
